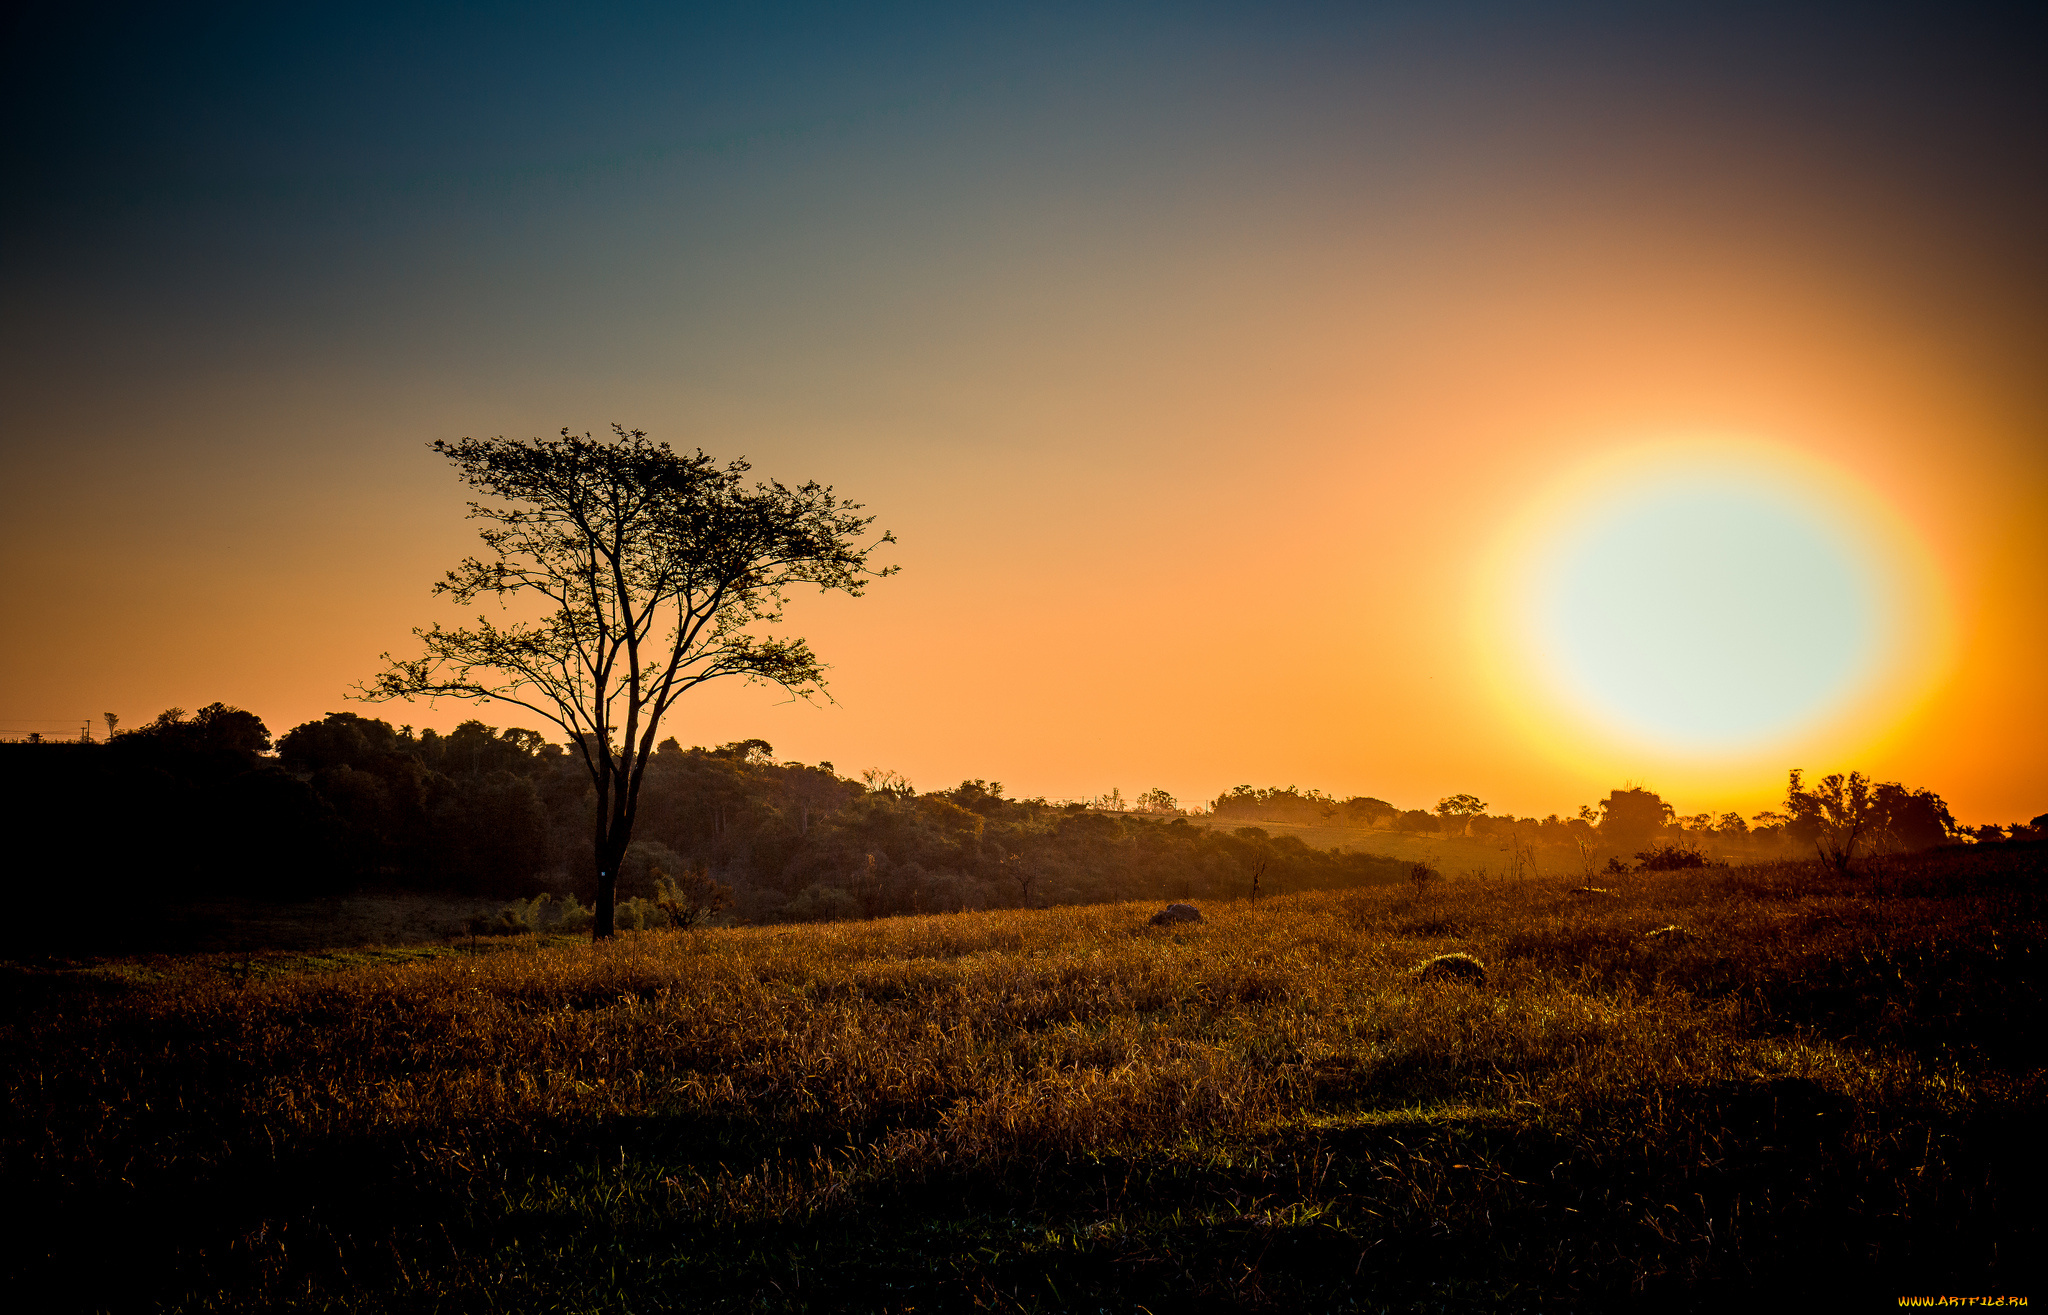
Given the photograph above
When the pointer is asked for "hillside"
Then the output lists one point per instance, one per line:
(1459, 855)
(1823, 1087)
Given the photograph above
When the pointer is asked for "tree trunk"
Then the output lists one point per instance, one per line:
(611, 851)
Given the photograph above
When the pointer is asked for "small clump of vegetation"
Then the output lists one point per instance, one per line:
(1815, 1094)
(1670, 858)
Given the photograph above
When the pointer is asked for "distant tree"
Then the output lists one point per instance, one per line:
(1021, 874)
(1843, 813)
(1275, 804)
(977, 795)
(653, 572)
(1910, 820)
(1157, 800)
(1631, 816)
(1364, 810)
(214, 728)
(753, 753)
(340, 739)
(1834, 815)
(1415, 819)
(883, 780)
(1458, 811)
(811, 792)
(112, 722)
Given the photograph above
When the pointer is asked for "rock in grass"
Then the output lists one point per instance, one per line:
(1174, 913)
(1672, 935)
(1452, 968)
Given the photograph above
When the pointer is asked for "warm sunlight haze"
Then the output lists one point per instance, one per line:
(853, 659)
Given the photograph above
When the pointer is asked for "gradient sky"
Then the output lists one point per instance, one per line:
(1222, 369)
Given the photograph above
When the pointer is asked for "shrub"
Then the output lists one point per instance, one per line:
(542, 913)
(691, 897)
(1670, 858)
(822, 904)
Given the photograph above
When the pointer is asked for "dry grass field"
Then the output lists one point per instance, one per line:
(1821, 1087)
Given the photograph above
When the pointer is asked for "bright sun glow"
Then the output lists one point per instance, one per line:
(1706, 612)
(1709, 598)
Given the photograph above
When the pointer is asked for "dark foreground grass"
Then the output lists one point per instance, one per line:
(1829, 1090)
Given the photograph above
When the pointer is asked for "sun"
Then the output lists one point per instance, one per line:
(1708, 598)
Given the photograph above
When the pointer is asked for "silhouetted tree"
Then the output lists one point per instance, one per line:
(215, 728)
(1416, 819)
(977, 795)
(1841, 813)
(654, 570)
(1458, 811)
(1909, 820)
(1833, 815)
(1631, 817)
(1364, 810)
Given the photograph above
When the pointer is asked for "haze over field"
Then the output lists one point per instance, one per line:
(1401, 400)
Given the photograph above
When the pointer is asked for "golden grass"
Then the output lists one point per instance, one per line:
(687, 1085)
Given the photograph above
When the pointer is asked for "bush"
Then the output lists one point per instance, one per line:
(542, 913)
(690, 898)
(1670, 858)
(822, 904)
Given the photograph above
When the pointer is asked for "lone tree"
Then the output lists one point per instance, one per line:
(1458, 811)
(653, 573)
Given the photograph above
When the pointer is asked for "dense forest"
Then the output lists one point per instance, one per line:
(205, 805)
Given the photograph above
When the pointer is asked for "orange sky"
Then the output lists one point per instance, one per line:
(1197, 445)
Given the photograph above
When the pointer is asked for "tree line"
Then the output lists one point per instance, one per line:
(203, 805)
(1838, 809)
(206, 805)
